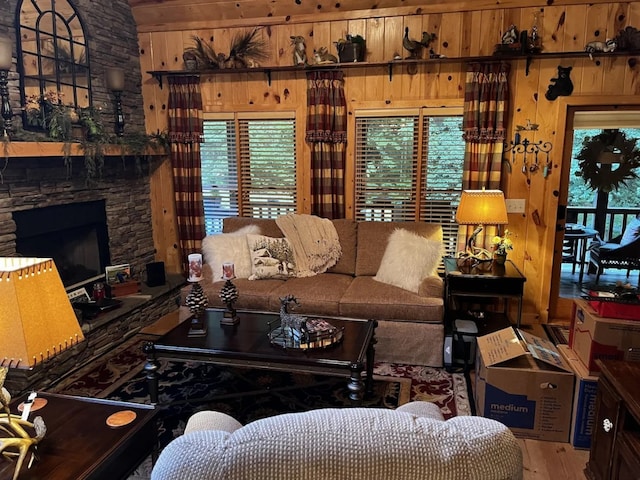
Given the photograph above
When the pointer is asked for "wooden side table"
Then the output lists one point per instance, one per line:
(504, 282)
(79, 444)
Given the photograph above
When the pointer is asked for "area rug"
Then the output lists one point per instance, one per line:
(249, 394)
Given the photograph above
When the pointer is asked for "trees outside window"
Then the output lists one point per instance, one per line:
(248, 167)
(408, 166)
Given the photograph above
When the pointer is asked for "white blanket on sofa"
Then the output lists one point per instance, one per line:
(314, 240)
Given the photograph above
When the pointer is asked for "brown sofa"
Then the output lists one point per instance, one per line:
(410, 328)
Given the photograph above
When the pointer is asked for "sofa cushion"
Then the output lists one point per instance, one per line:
(347, 234)
(366, 298)
(408, 259)
(271, 257)
(373, 237)
(318, 295)
(229, 247)
(252, 294)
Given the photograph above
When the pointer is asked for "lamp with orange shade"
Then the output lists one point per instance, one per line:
(480, 207)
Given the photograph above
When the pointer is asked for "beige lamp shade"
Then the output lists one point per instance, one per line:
(37, 320)
(482, 207)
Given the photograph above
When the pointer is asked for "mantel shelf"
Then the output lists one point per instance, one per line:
(17, 149)
(389, 65)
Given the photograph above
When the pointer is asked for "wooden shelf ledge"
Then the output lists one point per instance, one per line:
(159, 74)
(16, 149)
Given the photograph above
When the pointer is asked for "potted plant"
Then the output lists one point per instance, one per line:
(351, 49)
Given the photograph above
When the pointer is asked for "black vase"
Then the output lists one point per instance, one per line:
(350, 52)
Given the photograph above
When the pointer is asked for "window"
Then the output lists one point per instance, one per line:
(248, 166)
(53, 57)
(409, 167)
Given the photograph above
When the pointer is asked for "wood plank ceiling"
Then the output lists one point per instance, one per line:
(165, 15)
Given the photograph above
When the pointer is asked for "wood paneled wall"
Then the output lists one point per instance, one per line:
(471, 30)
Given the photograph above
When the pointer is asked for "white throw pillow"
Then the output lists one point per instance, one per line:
(271, 257)
(229, 248)
(408, 259)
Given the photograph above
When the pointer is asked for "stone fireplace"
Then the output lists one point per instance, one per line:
(75, 235)
(49, 211)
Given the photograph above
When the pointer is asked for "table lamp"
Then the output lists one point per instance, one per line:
(37, 322)
(480, 207)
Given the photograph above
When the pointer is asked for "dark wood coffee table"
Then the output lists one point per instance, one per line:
(248, 345)
(80, 445)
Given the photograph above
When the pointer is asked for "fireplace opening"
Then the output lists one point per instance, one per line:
(74, 235)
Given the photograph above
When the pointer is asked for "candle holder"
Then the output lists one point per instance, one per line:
(5, 65)
(196, 300)
(229, 295)
(115, 83)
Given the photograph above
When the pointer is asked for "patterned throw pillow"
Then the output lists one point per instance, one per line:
(270, 257)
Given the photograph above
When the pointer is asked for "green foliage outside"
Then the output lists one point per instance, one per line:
(580, 195)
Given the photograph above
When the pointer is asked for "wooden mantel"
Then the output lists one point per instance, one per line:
(56, 149)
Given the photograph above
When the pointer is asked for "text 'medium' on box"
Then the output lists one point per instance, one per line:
(523, 381)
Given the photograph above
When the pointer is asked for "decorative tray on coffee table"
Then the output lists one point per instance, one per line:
(321, 334)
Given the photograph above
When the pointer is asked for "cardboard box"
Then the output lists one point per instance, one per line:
(583, 415)
(594, 337)
(522, 381)
(610, 309)
(121, 289)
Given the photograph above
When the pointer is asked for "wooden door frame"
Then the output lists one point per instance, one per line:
(560, 309)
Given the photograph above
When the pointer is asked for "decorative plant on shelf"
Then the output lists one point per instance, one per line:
(351, 48)
(501, 245)
(247, 49)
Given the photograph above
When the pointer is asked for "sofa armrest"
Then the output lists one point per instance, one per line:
(431, 286)
(422, 409)
(210, 420)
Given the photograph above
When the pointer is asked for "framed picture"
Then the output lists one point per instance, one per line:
(118, 273)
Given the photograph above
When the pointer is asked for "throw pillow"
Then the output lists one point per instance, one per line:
(270, 257)
(631, 233)
(408, 259)
(229, 248)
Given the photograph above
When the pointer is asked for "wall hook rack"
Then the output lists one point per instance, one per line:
(530, 152)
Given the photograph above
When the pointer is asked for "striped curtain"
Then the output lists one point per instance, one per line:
(485, 103)
(185, 132)
(327, 135)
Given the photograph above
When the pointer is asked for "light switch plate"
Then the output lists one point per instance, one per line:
(515, 205)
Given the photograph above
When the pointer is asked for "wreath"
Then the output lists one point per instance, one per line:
(599, 176)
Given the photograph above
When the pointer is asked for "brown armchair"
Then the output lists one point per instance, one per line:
(613, 255)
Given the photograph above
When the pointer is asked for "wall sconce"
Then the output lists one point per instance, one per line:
(6, 62)
(528, 149)
(115, 83)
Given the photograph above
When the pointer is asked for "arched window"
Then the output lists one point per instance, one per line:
(53, 58)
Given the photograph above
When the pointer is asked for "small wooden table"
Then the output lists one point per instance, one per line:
(248, 345)
(489, 280)
(79, 444)
(576, 237)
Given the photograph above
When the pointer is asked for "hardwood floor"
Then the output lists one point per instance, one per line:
(547, 460)
(571, 288)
